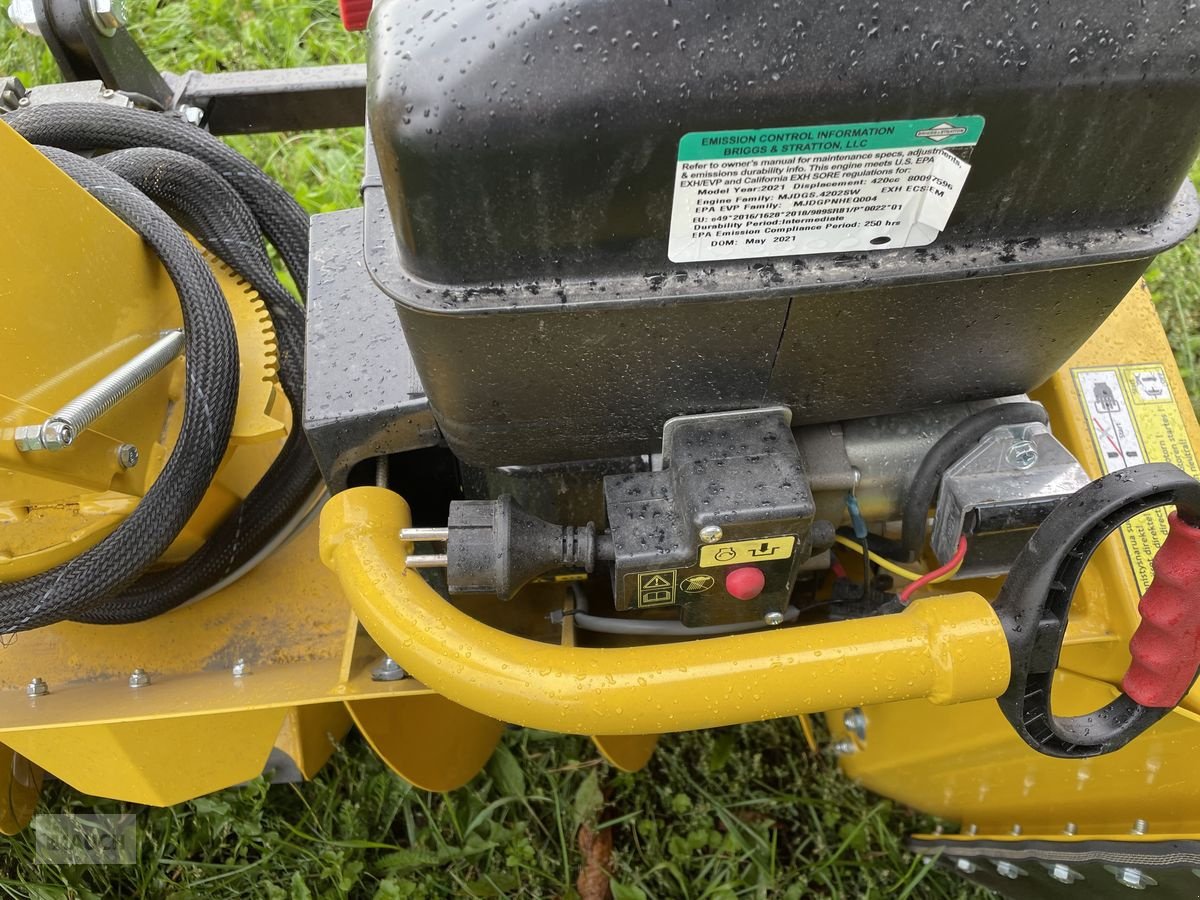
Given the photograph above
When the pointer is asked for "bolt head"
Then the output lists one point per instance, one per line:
(965, 865)
(1140, 826)
(388, 670)
(192, 114)
(773, 618)
(240, 669)
(855, 722)
(56, 435)
(21, 14)
(37, 688)
(108, 15)
(1022, 454)
(127, 456)
(710, 534)
(139, 678)
(844, 748)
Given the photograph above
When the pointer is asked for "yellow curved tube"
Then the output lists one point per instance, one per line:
(947, 649)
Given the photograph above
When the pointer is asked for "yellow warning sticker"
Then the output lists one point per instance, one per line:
(1134, 419)
(762, 550)
(656, 588)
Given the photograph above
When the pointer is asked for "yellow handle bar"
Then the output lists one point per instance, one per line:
(947, 649)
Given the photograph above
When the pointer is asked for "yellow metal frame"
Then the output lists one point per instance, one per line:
(947, 651)
(966, 764)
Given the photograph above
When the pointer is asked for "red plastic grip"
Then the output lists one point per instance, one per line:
(355, 13)
(1166, 646)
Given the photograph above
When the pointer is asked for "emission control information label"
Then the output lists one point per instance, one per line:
(818, 188)
(1134, 420)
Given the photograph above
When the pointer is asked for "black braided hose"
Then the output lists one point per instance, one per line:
(212, 211)
(95, 126)
(210, 400)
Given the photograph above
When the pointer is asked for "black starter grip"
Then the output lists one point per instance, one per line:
(1036, 598)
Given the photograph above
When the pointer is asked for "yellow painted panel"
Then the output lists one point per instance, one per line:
(741, 552)
(155, 761)
(426, 739)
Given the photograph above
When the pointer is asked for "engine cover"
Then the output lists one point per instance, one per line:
(595, 217)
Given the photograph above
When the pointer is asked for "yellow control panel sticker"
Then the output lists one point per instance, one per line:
(735, 552)
(1134, 419)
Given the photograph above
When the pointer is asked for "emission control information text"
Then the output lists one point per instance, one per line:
(818, 188)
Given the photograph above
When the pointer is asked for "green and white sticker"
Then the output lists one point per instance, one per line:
(818, 188)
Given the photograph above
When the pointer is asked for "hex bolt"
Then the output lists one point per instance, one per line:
(972, 830)
(710, 534)
(773, 618)
(855, 722)
(107, 15)
(193, 115)
(965, 866)
(240, 669)
(139, 677)
(37, 688)
(1016, 831)
(388, 670)
(1022, 454)
(127, 456)
(1007, 870)
(1072, 829)
(844, 748)
(1139, 827)
(21, 14)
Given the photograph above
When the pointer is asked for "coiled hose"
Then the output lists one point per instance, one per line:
(228, 204)
(210, 399)
(94, 126)
(212, 211)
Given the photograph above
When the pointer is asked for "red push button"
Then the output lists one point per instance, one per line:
(745, 582)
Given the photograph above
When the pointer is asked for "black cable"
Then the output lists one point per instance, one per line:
(211, 380)
(214, 213)
(95, 126)
(950, 448)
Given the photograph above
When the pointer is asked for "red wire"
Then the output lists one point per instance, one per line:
(839, 570)
(954, 563)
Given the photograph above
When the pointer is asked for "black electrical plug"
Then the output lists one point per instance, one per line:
(495, 547)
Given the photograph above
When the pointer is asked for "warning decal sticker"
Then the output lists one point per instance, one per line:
(818, 188)
(1134, 419)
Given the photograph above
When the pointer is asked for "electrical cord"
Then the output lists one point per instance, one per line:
(656, 628)
(950, 448)
(96, 126)
(888, 566)
(228, 204)
(215, 214)
(949, 570)
(211, 380)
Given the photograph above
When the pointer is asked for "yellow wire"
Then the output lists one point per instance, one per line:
(890, 566)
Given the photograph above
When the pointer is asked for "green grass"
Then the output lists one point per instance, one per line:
(735, 812)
